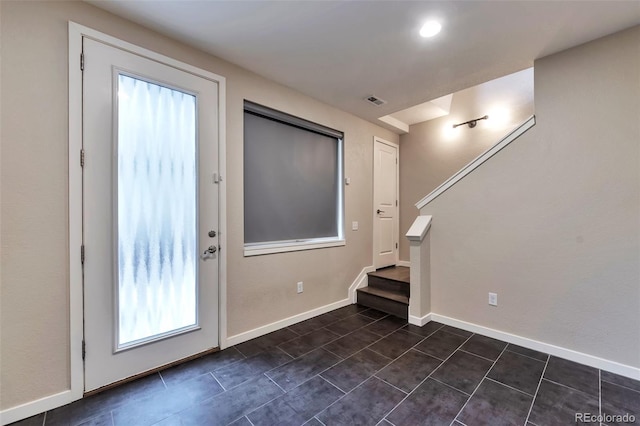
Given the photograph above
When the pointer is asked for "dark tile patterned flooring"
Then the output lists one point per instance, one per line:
(358, 366)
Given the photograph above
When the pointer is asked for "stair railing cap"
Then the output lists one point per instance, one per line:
(419, 228)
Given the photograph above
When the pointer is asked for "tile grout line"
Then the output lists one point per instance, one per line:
(316, 417)
(333, 353)
(293, 331)
(163, 382)
(113, 422)
(482, 357)
(274, 382)
(310, 378)
(426, 337)
(283, 364)
(345, 395)
(621, 386)
(457, 334)
(530, 357)
(428, 376)
(249, 420)
(327, 380)
(432, 356)
(479, 383)
(261, 405)
(366, 347)
(449, 386)
(509, 386)
(390, 384)
(403, 353)
(44, 418)
(569, 387)
(544, 370)
(218, 381)
(600, 393)
(322, 345)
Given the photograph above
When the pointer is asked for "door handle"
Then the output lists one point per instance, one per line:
(208, 252)
(379, 211)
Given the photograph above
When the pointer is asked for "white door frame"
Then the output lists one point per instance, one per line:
(76, 34)
(377, 139)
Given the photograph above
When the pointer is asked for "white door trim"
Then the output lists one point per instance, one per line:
(377, 139)
(76, 33)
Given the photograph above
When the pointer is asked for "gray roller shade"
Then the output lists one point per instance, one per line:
(291, 180)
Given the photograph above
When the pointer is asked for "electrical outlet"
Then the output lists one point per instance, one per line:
(300, 287)
(493, 299)
(354, 226)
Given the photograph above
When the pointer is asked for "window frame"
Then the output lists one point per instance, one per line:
(272, 247)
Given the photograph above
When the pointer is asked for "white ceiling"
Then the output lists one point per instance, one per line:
(342, 51)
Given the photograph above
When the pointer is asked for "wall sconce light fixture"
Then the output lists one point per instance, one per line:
(471, 123)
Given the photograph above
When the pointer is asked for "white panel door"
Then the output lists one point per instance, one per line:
(150, 209)
(385, 198)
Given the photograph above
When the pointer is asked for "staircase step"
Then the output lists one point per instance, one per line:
(391, 302)
(395, 279)
(395, 273)
(389, 285)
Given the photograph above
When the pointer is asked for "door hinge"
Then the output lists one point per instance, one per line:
(84, 350)
(396, 245)
(396, 203)
(82, 61)
(82, 254)
(82, 158)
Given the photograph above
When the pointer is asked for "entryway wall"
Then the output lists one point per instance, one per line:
(433, 151)
(35, 251)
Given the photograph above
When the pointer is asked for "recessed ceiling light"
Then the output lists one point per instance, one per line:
(430, 28)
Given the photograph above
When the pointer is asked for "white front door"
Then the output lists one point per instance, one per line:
(385, 203)
(150, 211)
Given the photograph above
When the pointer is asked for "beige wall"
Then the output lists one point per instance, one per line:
(35, 287)
(433, 151)
(552, 223)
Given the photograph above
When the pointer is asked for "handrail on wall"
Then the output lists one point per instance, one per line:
(513, 135)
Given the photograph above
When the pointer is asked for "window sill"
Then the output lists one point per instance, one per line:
(272, 248)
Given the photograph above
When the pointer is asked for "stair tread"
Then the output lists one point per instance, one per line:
(386, 294)
(397, 273)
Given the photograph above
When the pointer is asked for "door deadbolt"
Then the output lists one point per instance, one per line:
(212, 234)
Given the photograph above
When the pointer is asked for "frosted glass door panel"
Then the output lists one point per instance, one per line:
(156, 212)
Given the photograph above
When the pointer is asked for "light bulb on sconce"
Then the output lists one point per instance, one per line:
(500, 117)
(449, 133)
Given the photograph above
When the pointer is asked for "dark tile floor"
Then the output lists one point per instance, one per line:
(357, 366)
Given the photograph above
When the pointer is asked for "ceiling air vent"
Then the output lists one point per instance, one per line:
(375, 100)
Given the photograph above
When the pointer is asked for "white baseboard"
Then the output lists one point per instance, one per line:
(404, 263)
(360, 281)
(560, 352)
(277, 325)
(38, 406)
(420, 321)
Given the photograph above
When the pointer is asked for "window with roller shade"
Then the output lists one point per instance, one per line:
(293, 197)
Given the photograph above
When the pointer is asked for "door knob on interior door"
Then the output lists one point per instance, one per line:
(379, 211)
(209, 251)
